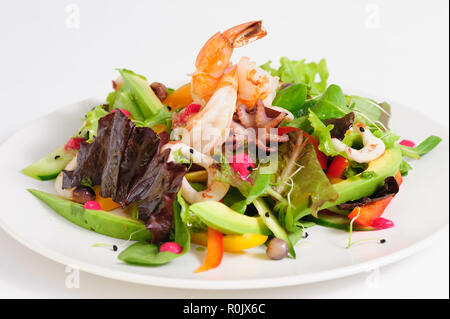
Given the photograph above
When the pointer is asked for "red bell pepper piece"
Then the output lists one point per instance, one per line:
(337, 167)
(214, 251)
(323, 159)
(371, 211)
(286, 129)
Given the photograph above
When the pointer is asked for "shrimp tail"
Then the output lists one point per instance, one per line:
(245, 33)
(214, 57)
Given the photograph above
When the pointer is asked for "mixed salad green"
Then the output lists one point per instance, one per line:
(128, 175)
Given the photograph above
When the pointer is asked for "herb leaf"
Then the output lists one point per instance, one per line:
(146, 254)
(423, 148)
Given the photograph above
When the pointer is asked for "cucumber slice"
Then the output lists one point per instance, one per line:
(49, 167)
(332, 220)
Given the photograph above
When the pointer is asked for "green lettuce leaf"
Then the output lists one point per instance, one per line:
(332, 104)
(292, 98)
(298, 71)
(138, 98)
(309, 191)
(90, 125)
(322, 133)
(370, 112)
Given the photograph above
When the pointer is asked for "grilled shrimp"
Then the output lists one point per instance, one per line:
(209, 128)
(255, 83)
(214, 190)
(215, 55)
(373, 146)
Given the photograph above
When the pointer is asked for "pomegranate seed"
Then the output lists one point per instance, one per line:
(407, 143)
(382, 223)
(171, 247)
(74, 143)
(242, 164)
(92, 205)
(125, 112)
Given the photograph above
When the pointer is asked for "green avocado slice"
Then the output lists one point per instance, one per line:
(359, 186)
(100, 221)
(222, 218)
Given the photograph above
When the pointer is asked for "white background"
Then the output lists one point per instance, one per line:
(49, 58)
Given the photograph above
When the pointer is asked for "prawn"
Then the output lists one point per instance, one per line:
(255, 83)
(215, 55)
(209, 128)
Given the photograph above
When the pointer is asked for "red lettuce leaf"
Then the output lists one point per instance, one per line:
(126, 162)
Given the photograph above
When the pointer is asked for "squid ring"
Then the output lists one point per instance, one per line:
(214, 191)
(373, 146)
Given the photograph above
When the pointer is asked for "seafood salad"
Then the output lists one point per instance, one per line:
(243, 155)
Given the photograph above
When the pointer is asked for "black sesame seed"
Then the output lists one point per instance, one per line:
(362, 129)
(267, 215)
(169, 108)
(305, 235)
(191, 150)
(382, 241)
(115, 248)
(250, 168)
(57, 156)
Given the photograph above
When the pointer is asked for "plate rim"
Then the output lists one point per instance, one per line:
(233, 284)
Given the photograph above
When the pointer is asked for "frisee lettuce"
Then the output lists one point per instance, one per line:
(299, 71)
(90, 124)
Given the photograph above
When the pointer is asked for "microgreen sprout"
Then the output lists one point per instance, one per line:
(350, 243)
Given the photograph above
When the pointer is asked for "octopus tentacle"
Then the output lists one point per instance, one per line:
(244, 117)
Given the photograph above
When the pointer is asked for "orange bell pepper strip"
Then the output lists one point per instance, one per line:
(337, 167)
(214, 251)
(158, 128)
(232, 243)
(366, 214)
(107, 204)
(179, 98)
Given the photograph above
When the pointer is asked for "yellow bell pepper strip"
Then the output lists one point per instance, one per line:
(367, 213)
(197, 176)
(214, 251)
(232, 243)
(106, 203)
(179, 98)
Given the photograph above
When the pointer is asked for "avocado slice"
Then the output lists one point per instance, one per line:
(222, 218)
(359, 185)
(100, 221)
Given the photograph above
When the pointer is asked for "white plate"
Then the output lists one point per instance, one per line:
(420, 212)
